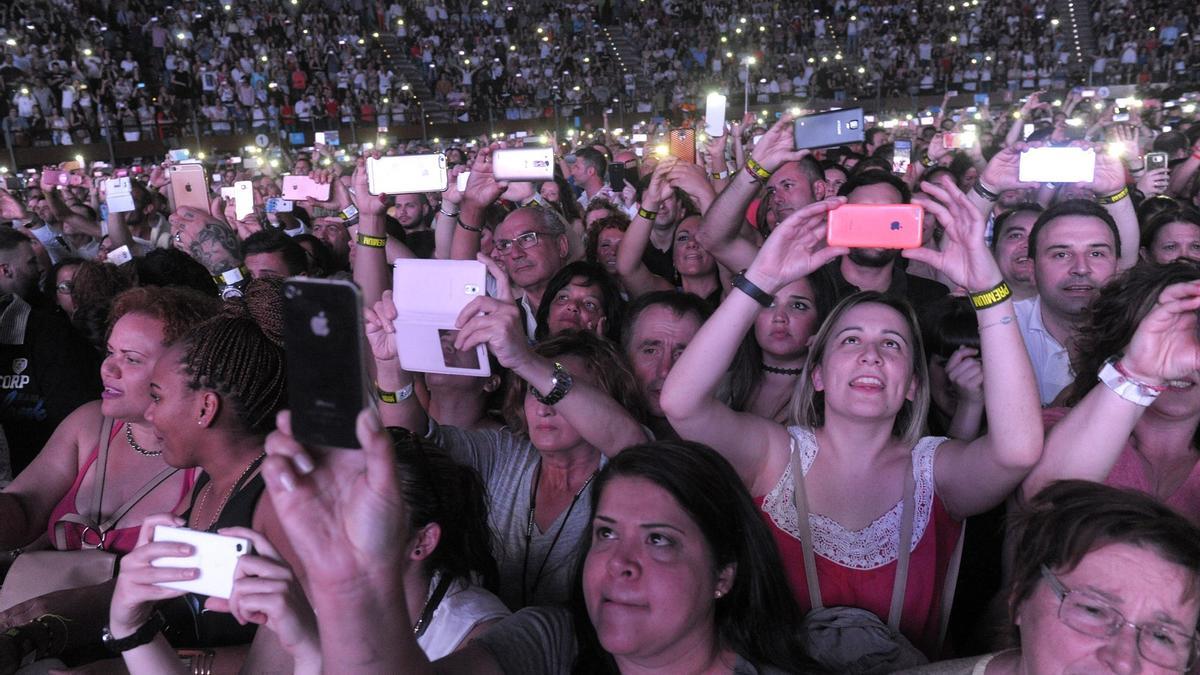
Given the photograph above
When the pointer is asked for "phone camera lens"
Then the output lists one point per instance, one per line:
(290, 291)
(239, 548)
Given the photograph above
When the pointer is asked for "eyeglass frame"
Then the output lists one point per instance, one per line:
(1061, 591)
(532, 236)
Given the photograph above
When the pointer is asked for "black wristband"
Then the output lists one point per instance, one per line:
(746, 286)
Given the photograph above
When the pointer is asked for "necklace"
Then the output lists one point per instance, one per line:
(133, 444)
(537, 479)
(782, 371)
(228, 495)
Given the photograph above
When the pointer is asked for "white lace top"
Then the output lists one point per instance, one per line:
(876, 544)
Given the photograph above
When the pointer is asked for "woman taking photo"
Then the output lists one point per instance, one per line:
(1105, 582)
(679, 574)
(569, 409)
(1134, 416)
(857, 418)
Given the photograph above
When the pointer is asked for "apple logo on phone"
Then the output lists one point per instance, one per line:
(895, 225)
(320, 325)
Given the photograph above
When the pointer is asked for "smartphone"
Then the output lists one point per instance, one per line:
(251, 163)
(304, 187)
(901, 155)
(119, 256)
(876, 226)
(1057, 165)
(1027, 130)
(215, 555)
(278, 205)
(406, 174)
(523, 164)
(429, 296)
(56, 177)
(1120, 114)
(13, 183)
(714, 115)
(179, 155)
(461, 181)
(682, 143)
(118, 195)
(1156, 160)
(639, 138)
(188, 187)
(327, 138)
(982, 99)
(952, 93)
(323, 336)
(243, 199)
(227, 192)
(616, 177)
(1088, 93)
(958, 140)
(827, 129)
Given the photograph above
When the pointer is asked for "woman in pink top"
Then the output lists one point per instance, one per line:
(857, 417)
(1134, 419)
(64, 476)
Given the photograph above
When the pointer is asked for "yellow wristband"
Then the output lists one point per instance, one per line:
(991, 297)
(1113, 198)
(648, 215)
(757, 169)
(372, 242)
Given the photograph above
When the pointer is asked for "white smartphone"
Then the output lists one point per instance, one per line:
(461, 181)
(714, 115)
(523, 164)
(119, 256)
(216, 556)
(118, 195)
(406, 174)
(639, 138)
(243, 199)
(429, 296)
(1057, 165)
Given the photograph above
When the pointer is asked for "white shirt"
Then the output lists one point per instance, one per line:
(1051, 362)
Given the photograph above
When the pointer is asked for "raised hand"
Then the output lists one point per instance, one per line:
(209, 241)
(1165, 346)
(380, 328)
(1154, 182)
(495, 322)
(366, 203)
(777, 146)
(11, 208)
(1003, 169)
(136, 592)
(482, 186)
(1109, 177)
(965, 372)
(795, 247)
(964, 257)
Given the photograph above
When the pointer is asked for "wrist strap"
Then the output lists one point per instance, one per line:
(992, 296)
(757, 170)
(984, 192)
(1113, 198)
(748, 287)
(468, 228)
(372, 242)
(394, 396)
(927, 161)
(648, 215)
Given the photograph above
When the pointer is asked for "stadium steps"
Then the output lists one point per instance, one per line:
(412, 74)
(1076, 16)
(630, 56)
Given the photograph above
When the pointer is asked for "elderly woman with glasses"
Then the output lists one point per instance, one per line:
(1106, 581)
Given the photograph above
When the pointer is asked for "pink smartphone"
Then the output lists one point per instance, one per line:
(876, 226)
(56, 177)
(303, 187)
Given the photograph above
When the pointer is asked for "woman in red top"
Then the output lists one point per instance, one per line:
(857, 417)
(63, 477)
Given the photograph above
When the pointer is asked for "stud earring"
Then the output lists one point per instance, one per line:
(417, 551)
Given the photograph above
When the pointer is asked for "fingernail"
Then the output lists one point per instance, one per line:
(285, 479)
(304, 463)
(373, 422)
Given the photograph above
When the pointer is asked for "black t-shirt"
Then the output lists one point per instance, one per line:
(42, 380)
(659, 262)
(918, 290)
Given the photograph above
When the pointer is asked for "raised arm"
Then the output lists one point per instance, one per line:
(482, 190)
(1001, 173)
(370, 256)
(757, 447)
(1087, 442)
(496, 322)
(635, 276)
(973, 477)
(1181, 175)
(1109, 186)
(389, 376)
(445, 221)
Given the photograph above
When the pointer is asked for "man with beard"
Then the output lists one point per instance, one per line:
(876, 269)
(1010, 248)
(1075, 246)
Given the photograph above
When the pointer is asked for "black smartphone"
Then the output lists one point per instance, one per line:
(827, 129)
(1156, 160)
(323, 336)
(616, 176)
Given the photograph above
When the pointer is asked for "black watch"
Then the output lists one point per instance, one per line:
(141, 636)
(561, 382)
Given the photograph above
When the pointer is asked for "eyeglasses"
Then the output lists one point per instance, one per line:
(65, 287)
(1086, 613)
(526, 241)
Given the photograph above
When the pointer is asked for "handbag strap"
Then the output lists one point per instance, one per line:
(90, 521)
(951, 585)
(907, 516)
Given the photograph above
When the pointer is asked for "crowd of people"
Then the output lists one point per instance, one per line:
(75, 72)
(710, 439)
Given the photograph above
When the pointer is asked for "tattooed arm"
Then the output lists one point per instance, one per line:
(209, 241)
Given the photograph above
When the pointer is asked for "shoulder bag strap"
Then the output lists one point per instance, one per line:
(800, 501)
(951, 584)
(101, 468)
(902, 554)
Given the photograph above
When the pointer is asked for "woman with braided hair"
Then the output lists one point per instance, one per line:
(213, 400)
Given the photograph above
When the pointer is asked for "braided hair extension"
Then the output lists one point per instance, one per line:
(239, 354)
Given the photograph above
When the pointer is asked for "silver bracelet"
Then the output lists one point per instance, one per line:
(446, 213)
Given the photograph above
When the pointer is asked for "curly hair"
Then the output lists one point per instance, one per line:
(239, 355)
(178, 309)
(605, 364)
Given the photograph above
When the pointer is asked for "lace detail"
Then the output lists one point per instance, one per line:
(876, 544)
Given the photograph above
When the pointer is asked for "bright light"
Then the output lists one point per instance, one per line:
(181, 36)
(201, 155)
(662, 149)
(79, 158)
(87, 52)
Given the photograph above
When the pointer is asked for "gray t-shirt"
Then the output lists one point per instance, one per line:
(506, 462)
(542, 640)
